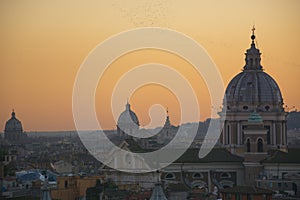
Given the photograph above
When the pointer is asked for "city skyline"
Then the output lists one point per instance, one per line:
(44, 45)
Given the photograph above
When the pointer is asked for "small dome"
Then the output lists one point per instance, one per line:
(253, 89)
(13, 124)
(128, 120)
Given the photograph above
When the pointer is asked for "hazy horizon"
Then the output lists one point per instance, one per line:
(43, 45)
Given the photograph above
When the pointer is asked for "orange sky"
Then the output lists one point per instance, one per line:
(43, 43)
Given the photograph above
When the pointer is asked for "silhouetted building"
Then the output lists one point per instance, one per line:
(13, 129)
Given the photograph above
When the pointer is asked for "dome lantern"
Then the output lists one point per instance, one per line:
(253, 56)
(253, 88)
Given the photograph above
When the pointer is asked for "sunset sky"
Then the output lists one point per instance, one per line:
(43, 44)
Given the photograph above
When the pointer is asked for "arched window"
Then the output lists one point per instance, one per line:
(248, 145)
(259, 145)
(197, 175)
(170, 176)
(225, 175)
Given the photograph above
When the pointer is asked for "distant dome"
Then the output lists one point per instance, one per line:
(128, 121)
(13, 125)
(253, 89)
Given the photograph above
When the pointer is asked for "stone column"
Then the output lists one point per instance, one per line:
(274, 133)
(238, 133)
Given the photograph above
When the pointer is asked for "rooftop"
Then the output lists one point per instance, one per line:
(216, 155)
(292, 156)
(247, 190)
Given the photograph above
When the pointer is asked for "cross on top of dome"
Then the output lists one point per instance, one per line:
(253, 55)
(253, 35)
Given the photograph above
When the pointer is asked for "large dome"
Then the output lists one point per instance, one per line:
(13, 124)
(128, 121)
(253, 89)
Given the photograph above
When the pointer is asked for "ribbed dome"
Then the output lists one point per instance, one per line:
(128, 121)
(253, 89)
(13, 124)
